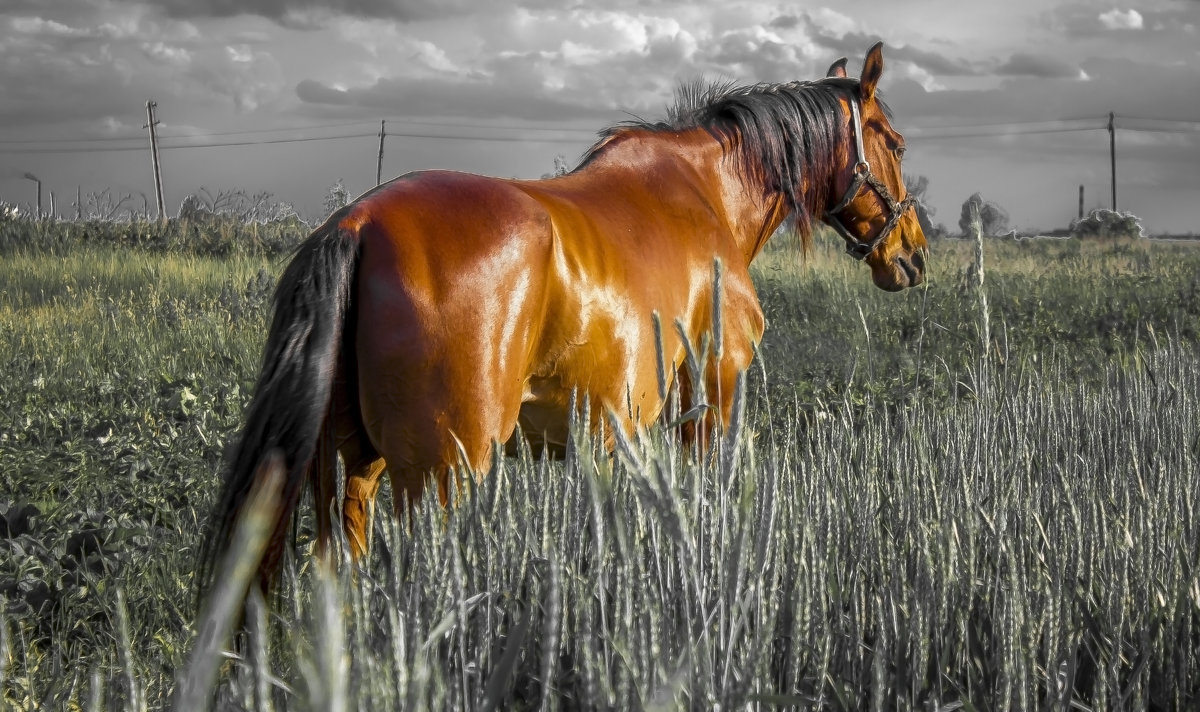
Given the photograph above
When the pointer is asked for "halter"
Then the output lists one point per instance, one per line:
(862, 174)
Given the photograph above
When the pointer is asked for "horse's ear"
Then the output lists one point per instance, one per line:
(837, 69)
(872, 70)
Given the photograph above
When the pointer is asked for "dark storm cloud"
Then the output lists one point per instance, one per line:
(1023, 64)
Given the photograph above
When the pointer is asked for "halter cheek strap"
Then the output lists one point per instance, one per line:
(857, 249)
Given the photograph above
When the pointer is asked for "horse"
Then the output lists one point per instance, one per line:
(442, 313)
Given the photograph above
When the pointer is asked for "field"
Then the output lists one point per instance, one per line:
(899, 521)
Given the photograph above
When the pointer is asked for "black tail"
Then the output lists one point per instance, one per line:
(291, 397)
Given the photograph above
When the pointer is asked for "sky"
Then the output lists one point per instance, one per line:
(1008, 99)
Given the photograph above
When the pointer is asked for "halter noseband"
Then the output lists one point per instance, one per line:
(863, 175)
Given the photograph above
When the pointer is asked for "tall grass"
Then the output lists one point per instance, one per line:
(1033, 550)
(885, 530)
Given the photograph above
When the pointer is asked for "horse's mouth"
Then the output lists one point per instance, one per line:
(901, 272)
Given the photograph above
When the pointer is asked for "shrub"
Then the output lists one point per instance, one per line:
(992, 217)
(1103, 224)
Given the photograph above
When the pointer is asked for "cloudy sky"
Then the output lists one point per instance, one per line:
(1006, 98)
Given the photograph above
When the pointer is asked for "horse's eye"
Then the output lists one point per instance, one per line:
(900, 153)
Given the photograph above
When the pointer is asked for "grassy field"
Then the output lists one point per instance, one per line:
(897, 524)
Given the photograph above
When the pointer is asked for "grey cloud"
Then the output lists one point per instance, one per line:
(310, 14)
(306, 12)
(787, 22)
(437, 98)
(1023, 64)
(1083, 20)
(762, 60)
(1120, 85)
(854, 44)
(88, 76)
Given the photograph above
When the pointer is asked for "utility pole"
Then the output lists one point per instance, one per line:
(1081, 202)
(379, 166)
(1112, 155)
(151, 123)
(35, 179)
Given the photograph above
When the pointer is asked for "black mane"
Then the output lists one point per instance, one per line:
(780, 132)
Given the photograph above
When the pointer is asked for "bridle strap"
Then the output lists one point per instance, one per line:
(857, 249)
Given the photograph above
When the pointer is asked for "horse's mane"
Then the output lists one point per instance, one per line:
(780, 132)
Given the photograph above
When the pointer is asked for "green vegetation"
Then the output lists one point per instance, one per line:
(894, 526)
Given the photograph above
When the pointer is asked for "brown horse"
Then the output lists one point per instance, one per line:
(420, 325)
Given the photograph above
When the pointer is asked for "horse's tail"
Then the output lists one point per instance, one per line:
(291, 398)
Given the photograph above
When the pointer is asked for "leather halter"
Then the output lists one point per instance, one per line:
(857, 249)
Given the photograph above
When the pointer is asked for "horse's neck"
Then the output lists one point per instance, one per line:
(750, 212)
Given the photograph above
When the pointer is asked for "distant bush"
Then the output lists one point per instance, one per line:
(225, 224)
(1103, 224)
(206, 235)
(993, 218)
(336, 197)
(10, 212)
(203, 206)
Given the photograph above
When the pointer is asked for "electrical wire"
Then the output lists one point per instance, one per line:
(118, 149)
(224, 144)
(934, 134)
(28, 146)
(285, 129)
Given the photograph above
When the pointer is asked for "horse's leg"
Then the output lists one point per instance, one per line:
(467, 444)
(448, 419)
(720, 387)
(744, 325)
(342, 433)
(324, 484)
(693, 430)
(722, 380)
(363, 472)
(720, 383)
(363, 475)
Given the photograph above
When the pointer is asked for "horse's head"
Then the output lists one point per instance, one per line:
(872, 209)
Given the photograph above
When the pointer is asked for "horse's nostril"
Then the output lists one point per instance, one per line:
(912, 268)
(918, 260)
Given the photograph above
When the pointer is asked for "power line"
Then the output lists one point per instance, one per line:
(27, 147)
(1186, 124)
(118, 149)
(100, 139)
(506, 127)
(223, 144)
(1005, 125)
(286, 129)
(390, 133)
(1185, 127)
(919, 135)
(118, 139)
(401, 122)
